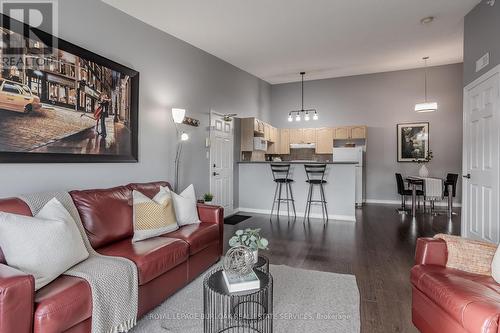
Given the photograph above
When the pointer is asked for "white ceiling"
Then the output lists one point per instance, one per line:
(276, 39)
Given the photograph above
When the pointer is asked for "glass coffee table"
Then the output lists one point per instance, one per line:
(242, 312)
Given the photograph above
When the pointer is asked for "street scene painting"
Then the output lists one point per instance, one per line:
(413, 142)
(61, 103)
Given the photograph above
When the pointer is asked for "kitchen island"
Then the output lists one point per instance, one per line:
(256, 189)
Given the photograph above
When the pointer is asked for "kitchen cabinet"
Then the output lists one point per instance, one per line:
(284, 141)
(349, 132)
(341, 133)
(258, 126)
(247, 133)
(302, 135)
(358, 132)
(267, 132)
(324, 141)
(296, 135)
(308, 135)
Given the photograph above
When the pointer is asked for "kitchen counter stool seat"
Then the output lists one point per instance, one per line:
(316, 177)
(281, 173)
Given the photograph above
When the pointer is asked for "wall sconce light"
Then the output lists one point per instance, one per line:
(178, 115)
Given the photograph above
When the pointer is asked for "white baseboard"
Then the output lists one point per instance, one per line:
(398, 202)
(299, 214)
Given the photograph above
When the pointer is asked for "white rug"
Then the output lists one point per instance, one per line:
(304, 301)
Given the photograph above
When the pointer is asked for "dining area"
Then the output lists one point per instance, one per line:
(426, 193)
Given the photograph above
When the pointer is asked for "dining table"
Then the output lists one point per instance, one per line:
(416, 181)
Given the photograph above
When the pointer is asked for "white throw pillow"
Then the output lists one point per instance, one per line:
(44, 246)
(153, 217)
(185, 206)
(495, 266)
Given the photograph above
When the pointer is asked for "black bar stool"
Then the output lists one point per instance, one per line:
(316, 176)
(281, 173)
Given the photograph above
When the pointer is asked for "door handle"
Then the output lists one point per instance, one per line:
(466, 176)
(215, 173)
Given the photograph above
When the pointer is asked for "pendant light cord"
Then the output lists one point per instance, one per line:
(302, 73)
(425, 89)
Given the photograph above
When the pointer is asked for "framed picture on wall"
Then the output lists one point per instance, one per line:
(62, 103)
(413, 141)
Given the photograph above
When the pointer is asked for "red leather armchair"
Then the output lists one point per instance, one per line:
(165, 264)
(447, 300)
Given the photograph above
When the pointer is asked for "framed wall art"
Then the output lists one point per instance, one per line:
(413, 141)
(60, 103)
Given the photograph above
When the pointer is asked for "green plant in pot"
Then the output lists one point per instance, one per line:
(250, 238)
(208, 197)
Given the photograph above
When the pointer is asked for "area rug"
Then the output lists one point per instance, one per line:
(304, 301)
(235, 219)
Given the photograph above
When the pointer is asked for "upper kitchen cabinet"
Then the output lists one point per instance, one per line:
(302, 135)
(349, 132)
(358, 132)
(341, 133)
(284, 141)
(324, 140)
(309, 135)
(258, 125)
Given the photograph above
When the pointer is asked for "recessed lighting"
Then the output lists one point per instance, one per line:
(427, 20)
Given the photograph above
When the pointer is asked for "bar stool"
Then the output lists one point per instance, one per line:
(316, 176)
(281, 174)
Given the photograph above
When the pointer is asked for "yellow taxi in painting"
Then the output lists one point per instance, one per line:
(17, 97)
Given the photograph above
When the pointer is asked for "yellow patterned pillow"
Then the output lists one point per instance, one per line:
(153, 217)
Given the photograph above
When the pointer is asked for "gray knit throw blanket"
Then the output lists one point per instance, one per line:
(113, 280)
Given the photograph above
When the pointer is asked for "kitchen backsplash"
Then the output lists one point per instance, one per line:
(305, 154)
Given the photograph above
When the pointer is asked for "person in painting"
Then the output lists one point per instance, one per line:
(101, 113)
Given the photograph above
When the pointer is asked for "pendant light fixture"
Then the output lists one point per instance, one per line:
(302, 112)
(426, 106)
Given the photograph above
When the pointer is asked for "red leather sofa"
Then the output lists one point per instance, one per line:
(165, 264)
(447, 300)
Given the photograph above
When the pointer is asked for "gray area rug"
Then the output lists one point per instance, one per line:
(304, 301)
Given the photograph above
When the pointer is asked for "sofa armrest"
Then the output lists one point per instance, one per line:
(431, 251)
(214, 215)
(17, 292)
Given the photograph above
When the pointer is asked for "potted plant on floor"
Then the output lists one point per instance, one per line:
(208, 197)
(250, 238)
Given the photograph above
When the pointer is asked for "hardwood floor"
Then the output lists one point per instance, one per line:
(378, 249)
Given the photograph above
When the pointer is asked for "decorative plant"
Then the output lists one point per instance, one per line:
(250, 238)
(426, 159)
(208, 197)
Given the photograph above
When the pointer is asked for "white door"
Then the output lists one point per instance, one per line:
(481, 146)
(221, 162)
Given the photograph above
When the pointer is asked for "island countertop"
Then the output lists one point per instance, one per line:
(294, 162)
(257, 189)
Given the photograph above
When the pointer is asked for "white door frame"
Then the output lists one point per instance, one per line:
(231, 210)
(465, 166)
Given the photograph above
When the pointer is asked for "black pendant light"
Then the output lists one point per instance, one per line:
(302, 112)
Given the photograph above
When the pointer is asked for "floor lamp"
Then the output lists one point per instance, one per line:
(178, 117)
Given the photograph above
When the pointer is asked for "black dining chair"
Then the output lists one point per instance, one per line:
(451, 179)
(403, 191)
(316, 177)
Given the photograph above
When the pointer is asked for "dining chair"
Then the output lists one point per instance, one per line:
(403, 191)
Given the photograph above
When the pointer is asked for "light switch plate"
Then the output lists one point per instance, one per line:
(483, 62)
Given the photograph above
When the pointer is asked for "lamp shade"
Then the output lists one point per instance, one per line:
(178, 115)
(426, 107)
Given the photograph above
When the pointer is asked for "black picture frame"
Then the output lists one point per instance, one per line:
(407, 132)
(133, 106)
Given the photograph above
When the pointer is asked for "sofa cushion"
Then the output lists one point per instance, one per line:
(471, 299)
(62, 304)
(13, 206)
(106, 214)
(148, 189)
(198, 236)
(153, 256)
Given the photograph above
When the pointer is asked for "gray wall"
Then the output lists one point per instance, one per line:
(381, 101)
(172, 73)
(482, 27)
